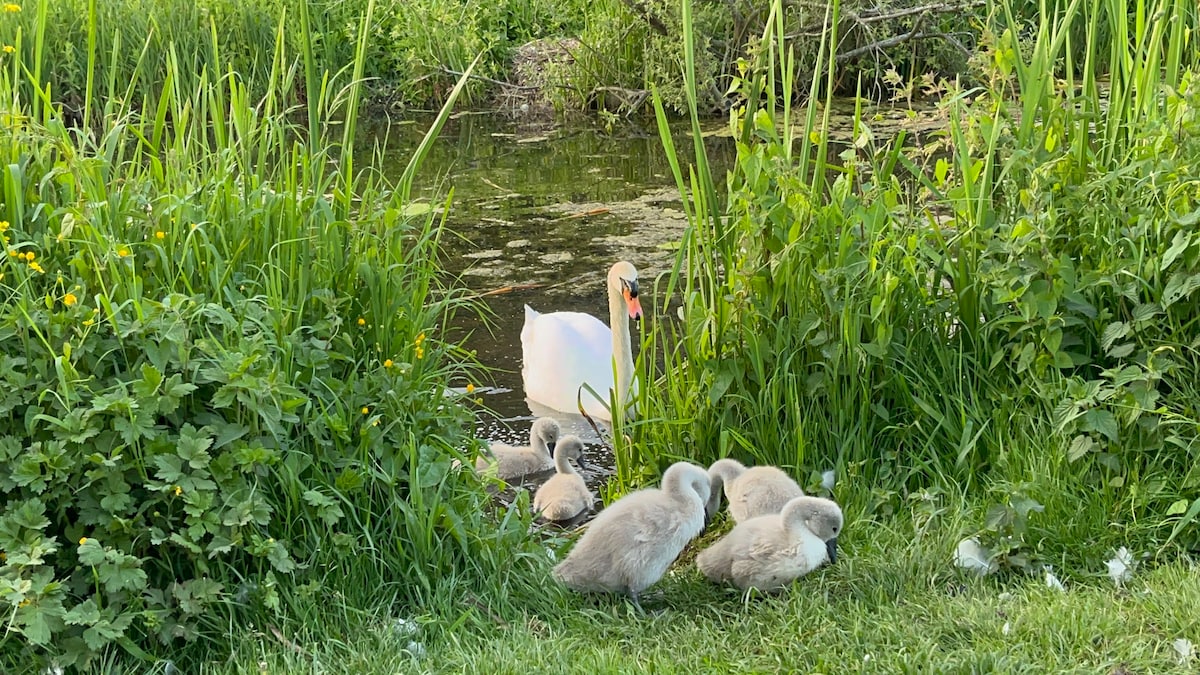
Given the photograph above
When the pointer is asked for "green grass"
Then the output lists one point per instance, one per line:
(893, 596)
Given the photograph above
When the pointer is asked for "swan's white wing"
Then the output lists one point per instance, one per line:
(561, 351)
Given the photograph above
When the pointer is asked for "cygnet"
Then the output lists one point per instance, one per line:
(629, 546)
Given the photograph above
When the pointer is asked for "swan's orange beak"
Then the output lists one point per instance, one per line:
(631, 300)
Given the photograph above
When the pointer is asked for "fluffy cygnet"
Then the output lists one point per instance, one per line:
(516, 461)
(565, 495)
(629, 546)
(768, 552)
(757, 491)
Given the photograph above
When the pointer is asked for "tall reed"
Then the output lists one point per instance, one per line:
(1009, 317)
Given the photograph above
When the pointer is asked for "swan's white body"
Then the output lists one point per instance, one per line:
(769, 552)
(561, 351)
(629, 546)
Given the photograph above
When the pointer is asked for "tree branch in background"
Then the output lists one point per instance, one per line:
(639, 8)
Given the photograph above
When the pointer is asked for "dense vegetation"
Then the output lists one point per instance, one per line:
(570, 53)
(224, 420)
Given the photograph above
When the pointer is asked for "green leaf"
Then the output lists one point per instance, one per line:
(36, 628)
(91, 553)
(85, 613)
(1080, 446)
(170, 468)
(1102, 422)
(1113, 332)
(148, 385)
(1177, 508)
(192, 446)
(1178, 245)
(29, 515)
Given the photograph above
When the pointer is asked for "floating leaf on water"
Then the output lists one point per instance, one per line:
(417, 209)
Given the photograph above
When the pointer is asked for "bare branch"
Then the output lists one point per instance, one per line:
(640, 9)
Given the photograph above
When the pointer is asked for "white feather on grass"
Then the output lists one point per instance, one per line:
(972, 556)
(1052, 581)
(1120, 567)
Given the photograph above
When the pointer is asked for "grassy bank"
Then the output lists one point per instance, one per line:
(223, 371)
(893, 603)
(227, 435)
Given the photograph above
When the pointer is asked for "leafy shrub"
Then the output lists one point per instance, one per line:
(222, 383)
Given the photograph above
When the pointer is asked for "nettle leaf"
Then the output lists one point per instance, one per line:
(1102, 422)
(1080, 446)
(1113, 332)
(1178, 245)
(1179, 286)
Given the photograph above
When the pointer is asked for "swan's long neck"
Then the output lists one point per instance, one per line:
(618, 321)
(562, 464)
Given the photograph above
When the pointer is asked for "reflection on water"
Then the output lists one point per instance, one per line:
(551, 207)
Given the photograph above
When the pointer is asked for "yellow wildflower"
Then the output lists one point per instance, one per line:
(25, 603)
(387, 363)
(30, 255)
(160, 235)
(375, 423)
(470, 388)
(82, 541)
(366, 410)
(362, 321)
(420, 339)
(3, 225)
(36, 267)
(70, 299)
(420, 352)
(178, 490)
(123, 252)
(11, 8)
(8, 49)
(88, 322)
(13, 254)
(478, 401)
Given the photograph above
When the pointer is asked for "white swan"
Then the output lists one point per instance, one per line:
(565, 495)
(769, 552)
(563, 350)
(629, 546)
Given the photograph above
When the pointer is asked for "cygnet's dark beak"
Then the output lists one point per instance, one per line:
(831, 547)
(550, 447)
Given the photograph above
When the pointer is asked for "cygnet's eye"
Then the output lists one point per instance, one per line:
(835, 529)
